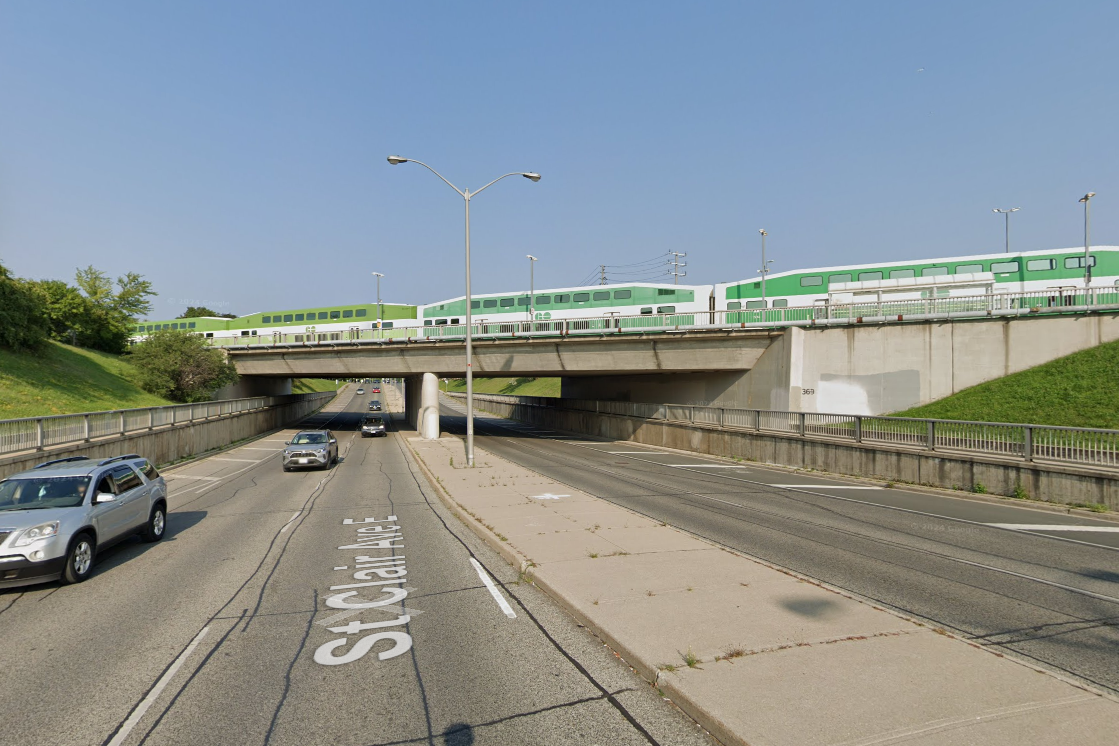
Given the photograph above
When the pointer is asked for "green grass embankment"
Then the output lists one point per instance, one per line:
(510, 386)
(61, 379)
(311, 385)
(1078, 390)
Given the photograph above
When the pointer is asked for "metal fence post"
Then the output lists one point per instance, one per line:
(691, 415)
(758, 420)
(151, 418)
(931, 443)
(1028, 443)
(722, 416)
(85, 427)
(801, 420)
(122, 423)
(39, 434)
(858, 429)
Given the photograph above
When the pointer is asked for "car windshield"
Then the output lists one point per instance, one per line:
(373, 421)
(307, 438)
(42, 493)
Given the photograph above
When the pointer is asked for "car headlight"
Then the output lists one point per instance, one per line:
(35, 533)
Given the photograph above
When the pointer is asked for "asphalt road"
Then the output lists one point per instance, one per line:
(233, 630)
(1039, 585)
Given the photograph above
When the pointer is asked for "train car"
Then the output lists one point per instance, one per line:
(325, 324)
(1057, 273)
(651, 304)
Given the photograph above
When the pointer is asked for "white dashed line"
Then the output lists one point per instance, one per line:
(825, 486)
(493, 589)
(285, 528)
(1056, 527)
(707, 466)
(242, 460)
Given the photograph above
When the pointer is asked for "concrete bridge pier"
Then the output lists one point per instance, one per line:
(421, 404)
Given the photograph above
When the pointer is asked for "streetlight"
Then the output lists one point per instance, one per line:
(765, 265)
(1007, 214)
(1086, 199)
(467, 195)
(378, 275)
(531, 287)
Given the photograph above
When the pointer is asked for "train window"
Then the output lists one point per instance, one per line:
(428, 322)
(604, 295)
(254, 332)
(934, 271)
(348, 313)
(666, 309)
(839, 278)
(751, 304)
(781, 303)
(811, 281)
(734, 305)
(288, 317)
(1004, 267)
(665, 291)
(388, 324)
(176, 326)
(507, 302)
(191, 325)
(266, 319)
(245, 333)
(581, 297)
(299, 317)
(453, 321)
(565, 298)
(360, 312)
(623, 294)
(475, 304)
(335, 314)
(543, 300)
(322, 315)
(1041, 265)
(209, 334)
(646, 311)
(870, 276)
(900, 274)
(1077, 262)
(491, 303)
(523, 300)
(968, 269)
(440, 322)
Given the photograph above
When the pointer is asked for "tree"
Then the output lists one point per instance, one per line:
(197, 312)
(180, 366)
(23, 318)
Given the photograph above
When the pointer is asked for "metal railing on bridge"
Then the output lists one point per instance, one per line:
(1068, 445)
(945, 308)
(38, 433)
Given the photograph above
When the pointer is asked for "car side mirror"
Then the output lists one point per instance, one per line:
(287, 442)
(333, 440)
(104, 497)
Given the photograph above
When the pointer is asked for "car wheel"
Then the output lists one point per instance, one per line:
(79, 560)
(157, 524)
(287, 468)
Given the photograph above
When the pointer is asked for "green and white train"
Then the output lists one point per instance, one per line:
(1030, 279)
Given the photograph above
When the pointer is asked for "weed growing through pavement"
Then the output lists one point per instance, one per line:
(691, 659)
(1020, 492)
(649, 593)
(592, 555)
(667, 667)
(731, 654)
(979, 488)
(595, 602)
(452, 462)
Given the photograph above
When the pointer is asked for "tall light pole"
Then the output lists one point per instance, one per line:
(1007, 214)
(765, 264)
(380, 325)
(531, 285)
(467, 195)
(1087, 200)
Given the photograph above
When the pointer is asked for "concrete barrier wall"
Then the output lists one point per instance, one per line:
(171, 443)
(1053, 483)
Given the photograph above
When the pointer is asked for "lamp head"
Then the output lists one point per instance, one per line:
(377, 274)
(1087, 197)
(395, 159)
(530, 256)
(762, 231)
(532, 176)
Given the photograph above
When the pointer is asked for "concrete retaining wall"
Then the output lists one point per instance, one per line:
(171, 443)
(1050, 482)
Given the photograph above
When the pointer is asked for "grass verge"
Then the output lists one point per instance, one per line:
(510, 386)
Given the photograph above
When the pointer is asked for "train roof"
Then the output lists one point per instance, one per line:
(580, 288)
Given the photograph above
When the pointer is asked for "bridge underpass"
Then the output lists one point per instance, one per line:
(858, 369)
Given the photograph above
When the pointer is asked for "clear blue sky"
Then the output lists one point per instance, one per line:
(234, 152)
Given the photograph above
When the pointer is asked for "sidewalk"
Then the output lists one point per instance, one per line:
(755, 654)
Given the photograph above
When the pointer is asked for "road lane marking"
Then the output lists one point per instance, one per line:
(706, 466)
(825, 486)
(548, 496)
(272, 450)
(493, 589)
(1055, 527)
(190, 476)
(631, 453)
(242, 460)
(288, 524)
(153, 695)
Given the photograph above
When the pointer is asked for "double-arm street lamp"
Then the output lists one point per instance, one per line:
(1007, 214)
(531, 285)
(380, 324)
(467, 195)
(765, 264)
(1087, 199)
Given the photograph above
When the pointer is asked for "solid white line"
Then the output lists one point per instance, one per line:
(285, 528)
(630, 453)
(1056, 527)
(273, 450)
(493, 589)
(190, 476)
(708, 466)
(825, 486)
(138, 713)
(243, 460)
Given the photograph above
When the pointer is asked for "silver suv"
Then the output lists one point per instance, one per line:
(311, 448)
(55, 518)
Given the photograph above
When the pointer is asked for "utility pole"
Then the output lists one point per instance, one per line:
(1086, 199)
(676, 265)
(602, 274)
(765, 263)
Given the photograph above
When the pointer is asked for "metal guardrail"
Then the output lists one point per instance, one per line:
(38, 433)
(1067, 445)
(947, 308)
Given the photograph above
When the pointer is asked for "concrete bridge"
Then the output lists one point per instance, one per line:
(867, 369)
